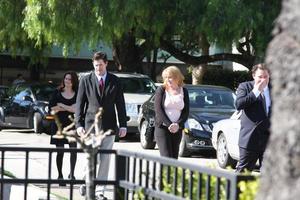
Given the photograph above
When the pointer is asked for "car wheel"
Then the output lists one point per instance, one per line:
(37, 123)
(223, 157)
(183, 150)
(146, 136)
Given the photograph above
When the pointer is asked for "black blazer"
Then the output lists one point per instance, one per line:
(161, 118)
(255, 123)
(89, 99)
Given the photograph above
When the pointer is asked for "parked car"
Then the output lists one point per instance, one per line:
(208, 104)
(225, 138)
(3, 92)
(27, 107)
(137, 89)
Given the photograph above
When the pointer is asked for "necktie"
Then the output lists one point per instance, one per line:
(264, 101)
(101, 85)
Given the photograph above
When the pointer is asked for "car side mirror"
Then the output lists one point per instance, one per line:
(127, 118)
(27, 98)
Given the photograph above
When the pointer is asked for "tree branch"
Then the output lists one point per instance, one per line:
(246, 60)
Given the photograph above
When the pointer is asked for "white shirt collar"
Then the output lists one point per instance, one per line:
(103, 77)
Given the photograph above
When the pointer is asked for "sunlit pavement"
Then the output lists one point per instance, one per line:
(39, 161)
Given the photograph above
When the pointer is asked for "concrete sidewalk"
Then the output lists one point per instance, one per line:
(38, 168)
(14, 192)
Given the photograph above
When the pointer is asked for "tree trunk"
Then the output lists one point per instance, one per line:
(197, 74)
(35, 72)
(199, 71)
(153, 67)
(126, 54)
(90, 173)
(281, 168)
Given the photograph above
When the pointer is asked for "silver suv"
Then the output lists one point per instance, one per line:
(137, 89)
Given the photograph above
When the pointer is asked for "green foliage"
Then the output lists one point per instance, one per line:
(39, 24)
(227, 78)
(168, 186)
(248, 189)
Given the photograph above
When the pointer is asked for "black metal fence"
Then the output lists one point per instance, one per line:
(136, 176)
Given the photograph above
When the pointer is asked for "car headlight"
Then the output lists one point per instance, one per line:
(131, 109)
(207, 127)
(193, 124)
(46, 109)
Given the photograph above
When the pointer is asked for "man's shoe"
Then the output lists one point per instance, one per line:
(82, 190)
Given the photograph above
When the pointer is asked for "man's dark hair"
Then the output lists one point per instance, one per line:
(260, 66)
(100, 56)
(19, 75)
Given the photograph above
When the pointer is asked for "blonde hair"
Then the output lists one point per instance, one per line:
(174, 72)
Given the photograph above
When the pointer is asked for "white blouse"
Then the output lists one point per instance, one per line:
(173, 105)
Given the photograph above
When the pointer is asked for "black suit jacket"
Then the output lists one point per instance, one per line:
(161, 118)
(255, 123)
(89, 99)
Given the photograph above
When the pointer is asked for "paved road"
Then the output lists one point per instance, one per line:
(38, 161)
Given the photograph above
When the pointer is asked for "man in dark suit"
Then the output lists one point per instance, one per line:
(253, 98)
(101, 89)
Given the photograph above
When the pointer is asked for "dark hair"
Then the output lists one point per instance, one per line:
(74, 80)
(100, 56)
(19, 75)
(260, 66)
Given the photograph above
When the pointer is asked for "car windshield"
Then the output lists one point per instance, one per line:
(211, 98)
(138, 85)
(43, 92)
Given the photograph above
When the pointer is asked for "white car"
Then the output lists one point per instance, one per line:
(225, 137)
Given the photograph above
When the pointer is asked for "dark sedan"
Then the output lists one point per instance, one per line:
(208, 104)
(3, 92)
(27, 107)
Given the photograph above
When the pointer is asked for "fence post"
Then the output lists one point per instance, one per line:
(120, 175)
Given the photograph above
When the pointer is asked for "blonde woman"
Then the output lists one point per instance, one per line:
(171, 111)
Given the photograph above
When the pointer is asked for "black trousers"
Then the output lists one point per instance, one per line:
(167, 142)
(248, 159)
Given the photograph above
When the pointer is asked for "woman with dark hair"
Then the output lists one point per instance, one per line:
(63, 104)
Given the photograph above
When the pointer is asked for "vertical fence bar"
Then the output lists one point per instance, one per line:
(49, 174)
(72, 173)
(207, 187)
(133, 173)
(175, 180)
(127, 175)
(191, 183)
(227, 187)
(147, 177)
(120, 175)
(199, 190)
(168, 174)
(234, 188)
(161, 166)
(26, 174)
(183, 182)
(154, 176)
(217, 188)
(2, 174)
(141, 171)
